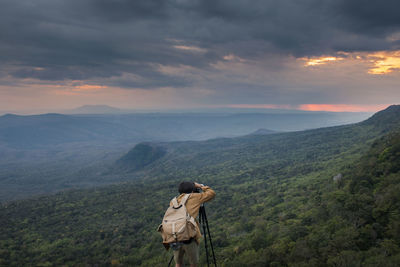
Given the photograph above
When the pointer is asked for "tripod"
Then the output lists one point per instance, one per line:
(206, 231)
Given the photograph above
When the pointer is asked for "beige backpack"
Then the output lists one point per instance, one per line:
(177, 224)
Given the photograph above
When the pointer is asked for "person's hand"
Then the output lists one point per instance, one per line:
(197, 185)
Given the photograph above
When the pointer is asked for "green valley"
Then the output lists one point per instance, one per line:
(320, 197)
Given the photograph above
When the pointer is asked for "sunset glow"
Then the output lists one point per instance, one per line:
(76, 90)
(378, 63)
(316, 107)
(341, 107)
(320, 61)
(385, 62)
(88, 87)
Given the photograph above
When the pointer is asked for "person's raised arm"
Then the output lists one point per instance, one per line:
(207, 193)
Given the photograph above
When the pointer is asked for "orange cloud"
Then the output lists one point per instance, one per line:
(87, 87)
(385, 62)
(378, 63)
(72, 90)
(320, 60)
(341, 107)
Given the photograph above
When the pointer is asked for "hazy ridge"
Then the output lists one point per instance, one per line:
(50, 152)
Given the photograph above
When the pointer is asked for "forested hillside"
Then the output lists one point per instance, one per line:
(325, 197)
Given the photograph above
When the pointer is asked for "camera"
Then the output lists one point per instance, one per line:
(197, 189)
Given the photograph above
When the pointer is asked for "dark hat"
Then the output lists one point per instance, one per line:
(186, 187)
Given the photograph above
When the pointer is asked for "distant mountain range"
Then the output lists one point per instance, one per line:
(36, 131)
(96, 109)
(106, 109)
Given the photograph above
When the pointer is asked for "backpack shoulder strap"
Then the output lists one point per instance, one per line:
(175, 202)
(185, 198)
(177, 205)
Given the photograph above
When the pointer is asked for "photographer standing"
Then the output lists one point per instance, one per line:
(191, 198)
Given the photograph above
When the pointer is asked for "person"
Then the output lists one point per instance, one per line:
(191, 247)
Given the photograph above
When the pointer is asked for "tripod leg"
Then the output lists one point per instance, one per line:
(169, 264)
(209, 235)
(204, 233)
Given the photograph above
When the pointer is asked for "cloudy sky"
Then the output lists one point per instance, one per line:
(339, 55)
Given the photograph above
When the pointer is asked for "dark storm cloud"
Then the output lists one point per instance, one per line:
(118, 11)
(78, 40)
(371, 16)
